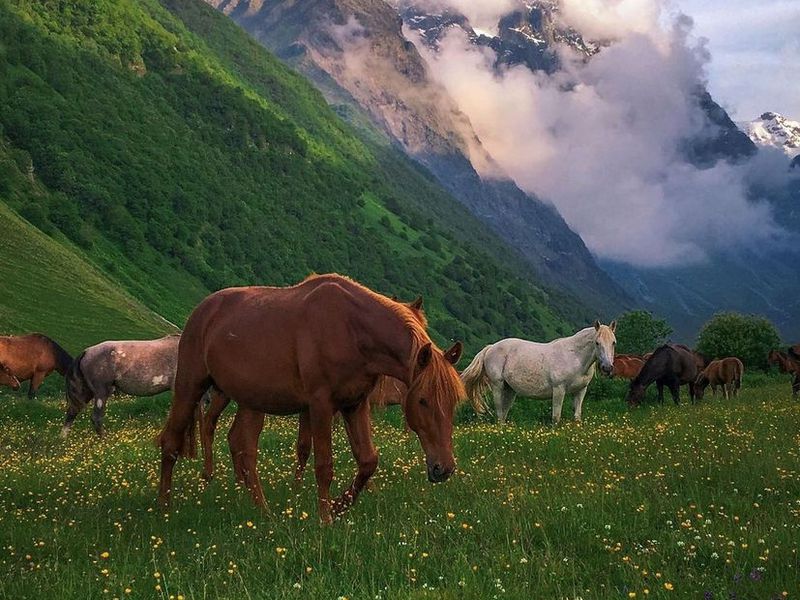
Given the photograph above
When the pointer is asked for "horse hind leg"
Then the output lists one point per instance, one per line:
(177, 437)
(243, 442)
(36, 381)
(503, 397)
(99, 412)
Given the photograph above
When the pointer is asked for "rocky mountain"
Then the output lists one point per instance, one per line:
(356, 53)
(775, 130)
(532, 34)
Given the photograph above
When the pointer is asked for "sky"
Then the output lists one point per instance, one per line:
(755, 49)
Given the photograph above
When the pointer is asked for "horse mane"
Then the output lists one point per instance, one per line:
(439, 377)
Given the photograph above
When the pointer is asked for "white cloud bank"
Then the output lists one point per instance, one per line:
(600, 139)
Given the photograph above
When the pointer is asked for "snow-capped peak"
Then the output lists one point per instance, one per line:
(772, 129)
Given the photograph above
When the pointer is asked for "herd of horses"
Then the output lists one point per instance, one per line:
(330, 346)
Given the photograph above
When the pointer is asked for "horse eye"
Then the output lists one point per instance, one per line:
(423, 402)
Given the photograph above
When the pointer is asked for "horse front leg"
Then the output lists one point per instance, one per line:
(208, 425)
(321, 424)
(577, 403)
(796, 386)
(558, 403)
(660, 386)
(304, 445)
(358, 424)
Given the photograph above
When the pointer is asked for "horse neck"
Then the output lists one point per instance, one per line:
(389, 341)
(583, 343)
(647, 375)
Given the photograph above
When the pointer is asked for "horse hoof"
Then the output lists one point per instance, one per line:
(64, 433)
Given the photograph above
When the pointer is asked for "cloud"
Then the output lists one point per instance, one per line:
(600, 139)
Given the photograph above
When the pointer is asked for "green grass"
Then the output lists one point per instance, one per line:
(697, 498)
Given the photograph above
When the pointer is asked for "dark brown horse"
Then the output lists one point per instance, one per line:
(7, 378)
(316, 348)
(627, 366)
(33, 357)
(672, 365)
(787, 364)
(725, 372)
(386, 392)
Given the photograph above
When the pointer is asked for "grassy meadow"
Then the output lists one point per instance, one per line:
(661, 502)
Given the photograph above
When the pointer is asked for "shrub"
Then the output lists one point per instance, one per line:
(748, 337)
(639, 332)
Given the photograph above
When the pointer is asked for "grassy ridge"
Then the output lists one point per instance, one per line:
(47, 287)
(661, 502)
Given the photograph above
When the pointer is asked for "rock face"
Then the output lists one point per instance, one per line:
(357, 55)
(773, 129)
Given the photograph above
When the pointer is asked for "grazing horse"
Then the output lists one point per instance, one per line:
(33, 357)
(787, 364)
(136, 367)
(387, 392)
(551, 370)
(627, 366)
(7, 378)
(672, 365)
(316, 348)
(725, 372)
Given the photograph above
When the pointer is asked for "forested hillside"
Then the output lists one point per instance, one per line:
(179, 165)
(45, 285)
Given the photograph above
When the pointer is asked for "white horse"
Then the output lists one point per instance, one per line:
(552, 370)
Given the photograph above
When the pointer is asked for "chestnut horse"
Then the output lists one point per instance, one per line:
(7, 378)
(672, 365)
(787, 364)
(387, 392)
(33, 357)
(319, 348)
(725, 372)
(627, 366)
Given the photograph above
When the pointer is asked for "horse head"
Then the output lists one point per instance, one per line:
(430, 405)
(8, 378)
(700, 385)
(605, 343)
(635, 394)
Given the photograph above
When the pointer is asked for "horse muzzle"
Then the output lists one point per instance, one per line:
(438, 473)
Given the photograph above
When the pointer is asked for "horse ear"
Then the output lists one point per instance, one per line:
(424, 356)
(597, 325)
(416, 304)
(453, 355)
(613, 325)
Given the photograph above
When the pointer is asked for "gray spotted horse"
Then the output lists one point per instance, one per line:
(135, 367)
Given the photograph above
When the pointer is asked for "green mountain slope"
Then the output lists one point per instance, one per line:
(180, 165)
(47, 286)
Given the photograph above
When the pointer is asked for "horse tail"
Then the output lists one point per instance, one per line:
(75, 381)
(476, 382)
(62, 357)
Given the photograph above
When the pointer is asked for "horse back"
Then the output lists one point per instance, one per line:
(272, 347)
